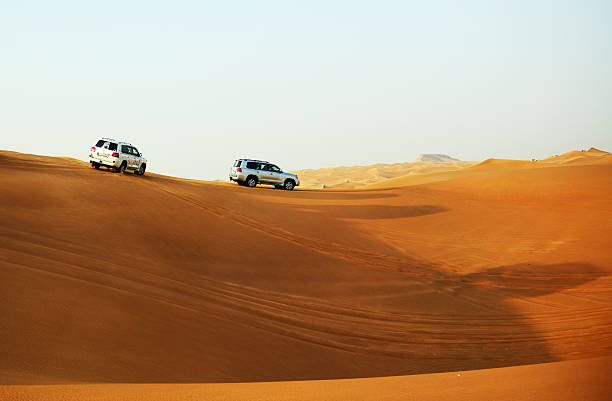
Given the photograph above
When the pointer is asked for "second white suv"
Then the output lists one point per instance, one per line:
(251, 172)
(119, 156)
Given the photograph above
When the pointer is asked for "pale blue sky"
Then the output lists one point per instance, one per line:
(196, 84)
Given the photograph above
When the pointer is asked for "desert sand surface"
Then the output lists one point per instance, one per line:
(109, 278)
(569, 380)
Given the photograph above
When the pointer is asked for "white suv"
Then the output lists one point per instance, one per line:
(251, 172)
(119, 156)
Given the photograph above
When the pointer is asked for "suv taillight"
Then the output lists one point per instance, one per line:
(115, 154)
(239, 170)
(93, 148)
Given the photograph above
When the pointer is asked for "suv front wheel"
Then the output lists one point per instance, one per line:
(141, 169)
(289, 185)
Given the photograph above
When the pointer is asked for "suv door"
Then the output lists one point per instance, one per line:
(265, 175)
(136, 159)
(106, 150)
(275, 174)
(126, 153)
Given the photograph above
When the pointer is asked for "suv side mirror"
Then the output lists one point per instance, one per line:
(140, 154)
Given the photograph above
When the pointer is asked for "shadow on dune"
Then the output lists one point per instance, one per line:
(368, 212)
(527, 280)
(487, 329)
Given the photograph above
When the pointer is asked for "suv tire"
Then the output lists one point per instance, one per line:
(95, 165)
(141, 169)
(121, 168)
(251, 181)
(289, 185)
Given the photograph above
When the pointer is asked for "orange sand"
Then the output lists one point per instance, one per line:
(161, 280)
(560, 381)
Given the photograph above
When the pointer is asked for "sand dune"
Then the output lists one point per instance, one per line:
(576, 158)
(591, 156)
(108, 278)
(355, 177)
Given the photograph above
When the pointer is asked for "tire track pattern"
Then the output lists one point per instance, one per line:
(399, 335)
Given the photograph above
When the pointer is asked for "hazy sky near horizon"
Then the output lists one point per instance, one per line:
(197, 84)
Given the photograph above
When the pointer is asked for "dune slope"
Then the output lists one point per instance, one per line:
(118, 278)
(561, 381)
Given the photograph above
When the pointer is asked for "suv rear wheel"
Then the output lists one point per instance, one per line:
(251, 181)
(121, 169)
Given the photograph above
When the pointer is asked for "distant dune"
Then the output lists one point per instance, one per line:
(355, 177)
(114, 279)
(431, 168)
(436, 158)
(591, 157)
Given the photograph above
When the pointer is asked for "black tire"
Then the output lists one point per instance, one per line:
(251, 181)
(289, 185)
(141, 170)
(121, 168)
(95, 165)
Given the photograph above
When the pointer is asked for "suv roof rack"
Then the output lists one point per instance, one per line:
(255, 160)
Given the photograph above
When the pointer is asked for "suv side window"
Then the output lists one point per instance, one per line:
(265, 167)
(135, 151)
(125, 149)
(253, 165)
(274, 168)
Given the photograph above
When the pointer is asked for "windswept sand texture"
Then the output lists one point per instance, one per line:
(108, 278)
